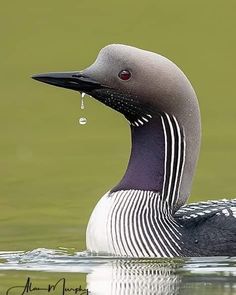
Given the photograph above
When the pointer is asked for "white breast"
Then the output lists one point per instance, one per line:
(97, 235)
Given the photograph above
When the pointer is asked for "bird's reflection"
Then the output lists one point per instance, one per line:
(134, 277)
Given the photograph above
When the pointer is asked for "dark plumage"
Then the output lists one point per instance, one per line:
(209, 228)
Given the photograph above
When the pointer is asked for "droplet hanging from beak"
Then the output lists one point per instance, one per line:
(82, 120)
(82, 101)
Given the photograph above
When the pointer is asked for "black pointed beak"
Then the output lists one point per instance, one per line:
(120, 101)
(71, 80)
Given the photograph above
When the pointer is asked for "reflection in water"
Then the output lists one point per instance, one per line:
(134, 277)
(122, 276)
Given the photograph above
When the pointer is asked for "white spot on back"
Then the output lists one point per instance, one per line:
(233, 209)
(226, 212)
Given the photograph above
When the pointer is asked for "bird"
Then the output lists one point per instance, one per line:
(145, 214)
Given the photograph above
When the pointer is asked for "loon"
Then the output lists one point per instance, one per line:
(145, 214)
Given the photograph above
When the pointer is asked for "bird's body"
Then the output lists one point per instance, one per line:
(136, 223)
(144, 214)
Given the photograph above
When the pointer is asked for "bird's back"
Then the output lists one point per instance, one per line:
(209, 228)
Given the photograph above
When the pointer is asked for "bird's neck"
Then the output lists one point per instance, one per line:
(157, 158)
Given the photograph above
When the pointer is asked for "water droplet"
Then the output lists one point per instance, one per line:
(82, 100)
(82, 104)
(83, 121)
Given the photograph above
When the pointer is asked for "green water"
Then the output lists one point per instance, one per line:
(52, 170)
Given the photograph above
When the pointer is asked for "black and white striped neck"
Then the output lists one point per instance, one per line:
(157, 158)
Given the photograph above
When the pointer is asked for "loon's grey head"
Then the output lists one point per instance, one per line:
(141, 85)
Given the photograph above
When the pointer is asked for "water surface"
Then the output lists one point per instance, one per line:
(113, 275)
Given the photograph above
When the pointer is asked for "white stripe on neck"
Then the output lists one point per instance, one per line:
(173, 143)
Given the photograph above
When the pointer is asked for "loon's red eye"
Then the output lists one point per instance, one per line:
(124, 75)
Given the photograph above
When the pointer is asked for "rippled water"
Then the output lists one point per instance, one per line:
(112, 275)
